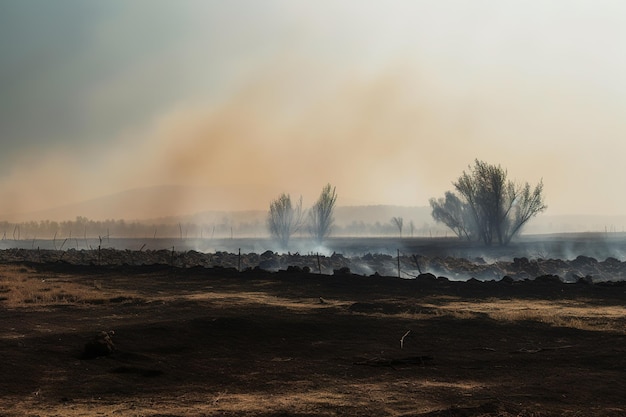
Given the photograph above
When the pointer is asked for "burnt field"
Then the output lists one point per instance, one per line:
(267, 334)
(588, 257)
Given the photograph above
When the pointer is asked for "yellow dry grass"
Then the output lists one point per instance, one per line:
(21, 286)
(301, 398)
(263, 298)
(24, 287)
(558, 313)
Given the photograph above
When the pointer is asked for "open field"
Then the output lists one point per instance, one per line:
(212, 342)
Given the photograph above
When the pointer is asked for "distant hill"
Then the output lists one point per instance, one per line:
(153, 202)
(383, 214)
(171, 203)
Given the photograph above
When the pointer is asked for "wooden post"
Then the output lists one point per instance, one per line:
(399, 264)
(319, 263)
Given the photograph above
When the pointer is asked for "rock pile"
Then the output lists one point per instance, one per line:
(408, 266)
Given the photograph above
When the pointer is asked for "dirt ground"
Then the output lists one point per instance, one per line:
(212, 342)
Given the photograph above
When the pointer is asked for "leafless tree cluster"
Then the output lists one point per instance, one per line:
(488, 207)
(285, 218)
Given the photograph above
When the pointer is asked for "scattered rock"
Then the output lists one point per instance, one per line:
(548, 279)
(426, 278)
(101, 345)
(507, 280)
(343, 271)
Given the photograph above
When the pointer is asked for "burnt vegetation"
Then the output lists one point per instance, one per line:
(214, 342)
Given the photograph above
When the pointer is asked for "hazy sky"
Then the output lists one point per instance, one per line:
(388, 100)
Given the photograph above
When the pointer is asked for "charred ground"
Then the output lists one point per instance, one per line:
(214, 341)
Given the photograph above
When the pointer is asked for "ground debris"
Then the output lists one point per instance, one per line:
(411, 360)
(542, 349)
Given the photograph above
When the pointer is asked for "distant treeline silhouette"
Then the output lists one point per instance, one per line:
(82, 228)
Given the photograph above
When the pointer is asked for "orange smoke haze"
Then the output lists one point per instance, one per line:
(395, 138)
(387, 103)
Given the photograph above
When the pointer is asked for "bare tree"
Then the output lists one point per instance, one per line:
(321, 214)
(284, 219)
(455, 214)
(399, 223)
(490, 207)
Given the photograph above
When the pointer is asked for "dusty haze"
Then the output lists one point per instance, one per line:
(388, 102)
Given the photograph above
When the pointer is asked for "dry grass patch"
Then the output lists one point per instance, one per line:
(262, 298)
(384, 398)
(558, 313)
(307, 402)
(21, 287)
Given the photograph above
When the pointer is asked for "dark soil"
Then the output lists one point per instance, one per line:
(213, 342)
